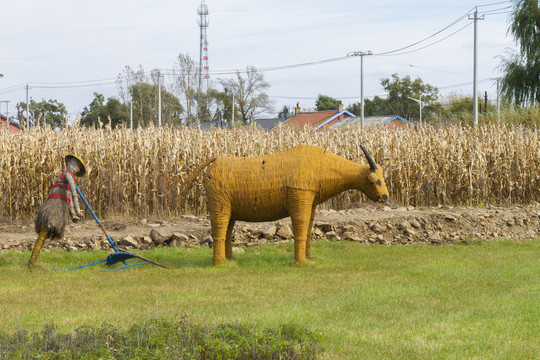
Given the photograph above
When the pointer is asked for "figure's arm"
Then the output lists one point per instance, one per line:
(74, 209)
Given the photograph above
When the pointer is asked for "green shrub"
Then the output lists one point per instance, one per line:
(163, 339)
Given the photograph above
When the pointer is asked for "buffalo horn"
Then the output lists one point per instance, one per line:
(370, 161)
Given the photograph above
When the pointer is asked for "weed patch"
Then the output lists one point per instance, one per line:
(163, 339)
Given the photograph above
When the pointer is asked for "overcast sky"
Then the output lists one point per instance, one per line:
(56, 45)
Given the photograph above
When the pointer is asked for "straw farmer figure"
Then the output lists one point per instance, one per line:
(63, 201)
(271, 187)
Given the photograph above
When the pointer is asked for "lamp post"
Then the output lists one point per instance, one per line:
(361, 54)
(421, 103)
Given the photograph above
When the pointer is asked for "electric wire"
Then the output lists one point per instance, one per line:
(429, 45)
(170, 72)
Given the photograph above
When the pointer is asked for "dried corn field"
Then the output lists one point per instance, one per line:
(140, 173)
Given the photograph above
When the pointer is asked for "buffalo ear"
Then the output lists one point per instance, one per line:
(372, 177)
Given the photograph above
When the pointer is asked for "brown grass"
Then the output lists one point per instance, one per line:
(140, 173)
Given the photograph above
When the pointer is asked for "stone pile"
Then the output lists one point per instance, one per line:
(418, 227)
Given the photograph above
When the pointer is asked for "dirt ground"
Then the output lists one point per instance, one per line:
(369, 223)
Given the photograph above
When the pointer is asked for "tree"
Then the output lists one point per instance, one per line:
(126, 79)
(398, 101)
(399, 92)
(285, 113)
(324, 103)
(375, 107)
(249, 93)
(145, 105)
(186, 85)
(99, 111)
(521, 80)
(49, 112)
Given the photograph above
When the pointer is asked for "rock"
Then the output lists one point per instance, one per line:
(415, 224)
(351, 236)
(179, 237)
(347, 228)
(318, 232)
(404, 225)
(254, 231)
(269, 230)
(207, 241)
(332, 236)
(190, 217)
(156, 237)
(410, 232)
(285, 232)
(435, 237)
(147, 240)
(128, 241)
(325, 227)
(378, 229)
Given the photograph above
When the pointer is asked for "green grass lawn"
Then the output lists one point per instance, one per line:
(367, 302)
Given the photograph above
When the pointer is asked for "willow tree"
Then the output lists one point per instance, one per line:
(521, 80)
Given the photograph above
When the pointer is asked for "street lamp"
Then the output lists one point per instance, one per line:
(421, 103)
(361, 54)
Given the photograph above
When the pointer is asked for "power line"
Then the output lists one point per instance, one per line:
(421, 67)
(429, 37)
(497, 3)
(426, 46)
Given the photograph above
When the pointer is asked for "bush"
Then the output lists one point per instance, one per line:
(163, 339)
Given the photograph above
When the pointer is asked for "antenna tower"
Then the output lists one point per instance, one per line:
(202, 11)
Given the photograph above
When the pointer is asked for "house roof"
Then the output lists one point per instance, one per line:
(268, 124)
(3, 119)
(373, 121)
(317, 119)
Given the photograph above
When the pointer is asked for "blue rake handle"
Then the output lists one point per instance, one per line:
(111, 242)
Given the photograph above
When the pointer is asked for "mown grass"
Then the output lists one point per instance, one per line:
(366, 302)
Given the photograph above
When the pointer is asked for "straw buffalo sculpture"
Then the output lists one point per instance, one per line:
(271, 187)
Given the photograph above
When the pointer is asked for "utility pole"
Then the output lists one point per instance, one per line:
(159, 97)
(361, 54)
(498, 101)
(27, 109)
(475, 66)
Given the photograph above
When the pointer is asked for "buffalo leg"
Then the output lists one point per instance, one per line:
(310, 229)
(219, 219)
(228, 240)
(299, 207)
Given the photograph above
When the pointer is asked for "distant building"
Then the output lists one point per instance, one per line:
(14, 127)
(375, 121)
(268, 124)
(209, 125)
(319, 119)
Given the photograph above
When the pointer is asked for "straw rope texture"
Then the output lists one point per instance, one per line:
(288, 183)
